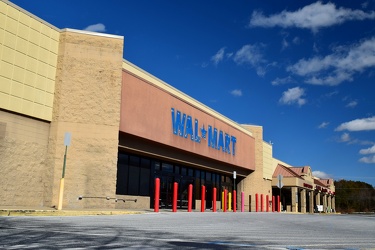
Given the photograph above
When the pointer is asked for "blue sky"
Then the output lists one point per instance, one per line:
(304, 70)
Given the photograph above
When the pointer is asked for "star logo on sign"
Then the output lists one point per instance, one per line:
(203, 132)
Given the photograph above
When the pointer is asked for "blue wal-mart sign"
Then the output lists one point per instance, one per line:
(183, 126)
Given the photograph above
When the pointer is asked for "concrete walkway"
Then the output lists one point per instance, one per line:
(22, 211)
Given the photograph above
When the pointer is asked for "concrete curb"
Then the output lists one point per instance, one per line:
(35, 212)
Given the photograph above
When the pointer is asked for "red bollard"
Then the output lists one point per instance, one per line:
(214, 200)
(267, 203)
(234, 201)
(278, 204)
(256, 202)
(225, 199)
(190, 197)
(157, 195)
(261, 203)
(203, 196)
(175, 192)
(273, 203)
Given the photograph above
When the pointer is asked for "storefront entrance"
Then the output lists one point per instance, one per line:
(166, 190)
(136, 176)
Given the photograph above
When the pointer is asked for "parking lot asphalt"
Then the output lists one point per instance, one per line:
(182, 230)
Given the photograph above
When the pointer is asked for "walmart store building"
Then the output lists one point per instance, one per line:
(127, 128)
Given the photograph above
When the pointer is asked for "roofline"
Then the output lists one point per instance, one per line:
(289, 170)
(30, 14)
(92, 33)
(61, 30)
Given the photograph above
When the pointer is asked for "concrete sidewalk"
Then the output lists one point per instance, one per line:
(22, 211)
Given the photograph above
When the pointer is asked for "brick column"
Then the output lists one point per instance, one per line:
(334, 203)
(329, 203)
(324, 202)
(317, 199)
(303, 201)
(294, 201)
(311, 209)
(87, 104)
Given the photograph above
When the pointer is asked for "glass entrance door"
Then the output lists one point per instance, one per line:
(183, 187)
(209, 198)
(166, 191)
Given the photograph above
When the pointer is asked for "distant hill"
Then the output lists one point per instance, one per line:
(354, 196)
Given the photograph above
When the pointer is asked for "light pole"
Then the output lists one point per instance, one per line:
(234, 180)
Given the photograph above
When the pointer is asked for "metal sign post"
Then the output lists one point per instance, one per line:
(67, 139)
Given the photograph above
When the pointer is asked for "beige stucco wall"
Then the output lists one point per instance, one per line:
(86, 104)
(51, 84)
(28, 58)
(23, 148)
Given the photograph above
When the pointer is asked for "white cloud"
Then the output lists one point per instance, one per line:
(293, 95)
(285, 80)
(364, 5)
(323, 125)
(321, 175)
(368, 159)
(218, 57)
(352, 104)
(251, 54)
(330, 94)
(236, 92)
(345, 137)
(296, 40)
(358, 125)
(99, 27)
(284, 44)
(314, 17)
(204, 65)
(339, 66)
(367, 151)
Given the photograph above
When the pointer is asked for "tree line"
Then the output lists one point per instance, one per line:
(354, 196)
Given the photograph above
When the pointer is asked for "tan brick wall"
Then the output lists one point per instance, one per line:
(23, 148)
(86, 104)
(254, 183)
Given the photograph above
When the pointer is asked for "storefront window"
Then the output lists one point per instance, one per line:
(122, 174)
(144, 188)
(208, 176)
(167, 167)
(134, 174)
(203, 174)
(183, 171)
(134, 177)
(156, 165)
(176, 169)
(190, 172)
